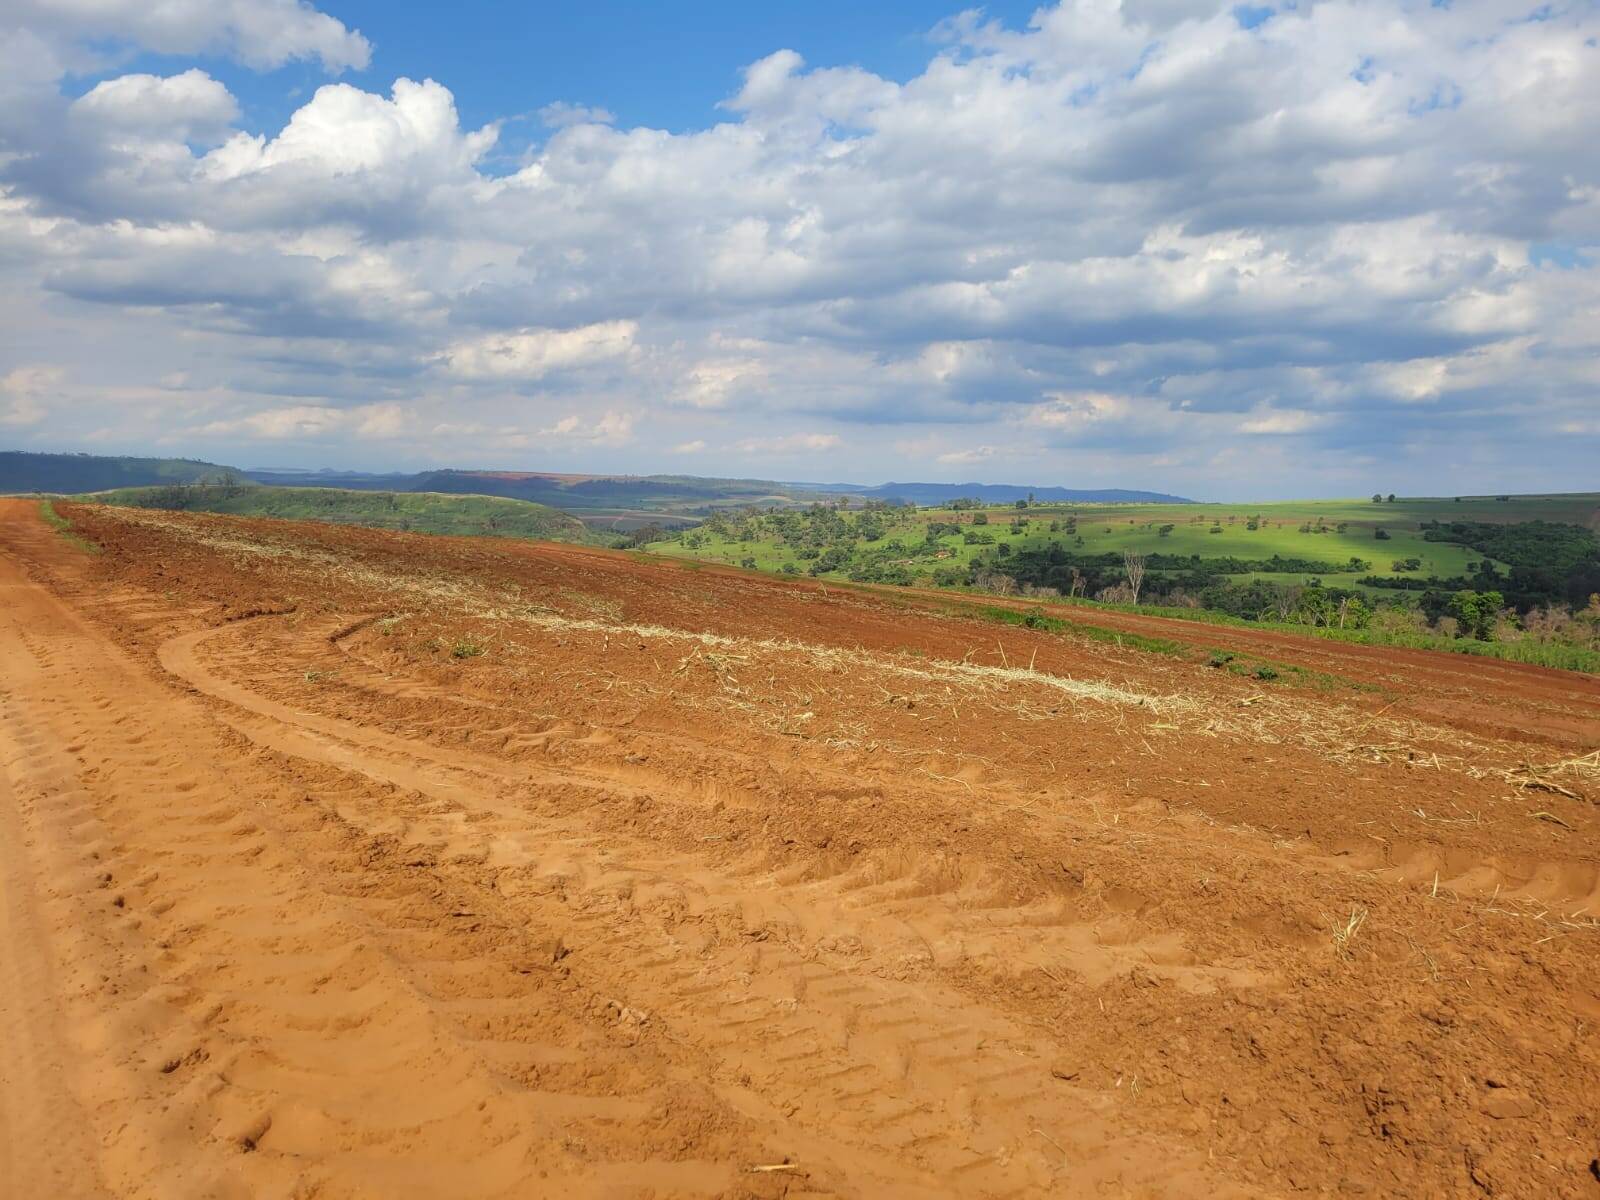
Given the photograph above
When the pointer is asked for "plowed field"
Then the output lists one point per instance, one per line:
(337, 863)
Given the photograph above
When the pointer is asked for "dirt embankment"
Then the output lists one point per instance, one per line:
(343, 863)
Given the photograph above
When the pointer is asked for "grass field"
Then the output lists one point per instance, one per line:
(1339, 531)
(417, 512)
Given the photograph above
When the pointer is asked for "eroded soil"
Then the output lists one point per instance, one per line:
(347, 864)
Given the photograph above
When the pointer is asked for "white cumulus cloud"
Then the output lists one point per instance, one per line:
(262, 33)
(534, 353)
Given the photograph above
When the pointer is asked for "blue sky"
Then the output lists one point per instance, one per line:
(666, 66)
(1231, 251)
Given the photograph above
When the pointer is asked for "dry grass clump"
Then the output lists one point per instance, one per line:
(1580, 770)
(1345, 931)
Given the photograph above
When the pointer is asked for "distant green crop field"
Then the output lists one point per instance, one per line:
(417, 512)
(1339, 530)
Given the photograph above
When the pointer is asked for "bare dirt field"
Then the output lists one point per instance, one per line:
(338, 863)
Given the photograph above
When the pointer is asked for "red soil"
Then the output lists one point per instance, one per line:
(345, 863)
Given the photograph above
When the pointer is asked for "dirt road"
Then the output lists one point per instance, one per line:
(346, 864)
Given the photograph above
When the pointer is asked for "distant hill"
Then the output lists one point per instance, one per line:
(1005, 493)
(21, 471)
(578, 493)
(418, 512)
(598, 498)
(670, 493)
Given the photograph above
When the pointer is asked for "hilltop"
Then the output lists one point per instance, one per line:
(417, 512)
(67, 474)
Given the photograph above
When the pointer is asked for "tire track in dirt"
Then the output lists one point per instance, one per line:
(261, 1014)
(43, 1140)
(889, 1086)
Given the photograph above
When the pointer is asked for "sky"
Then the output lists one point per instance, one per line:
(1229, 251)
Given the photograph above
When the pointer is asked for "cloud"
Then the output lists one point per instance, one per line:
(187, 107)
(716, 383)
(347, 157)
(1283, 421)
(697, 446)
(559, 114)
(531, 354)
(610, 428)
(312, 421)
(792, 443)
(1126, 237)
(1081, 410)
(260, 33)
(24, 393)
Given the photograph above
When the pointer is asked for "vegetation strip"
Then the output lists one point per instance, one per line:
(1264, 670)
(63, 527)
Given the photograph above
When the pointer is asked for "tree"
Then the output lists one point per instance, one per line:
(1286, 601)
(1315, 608)
(1377, 497)
(1133, 567)
(1391, 497)
(1475, 612)
(995, 581)
(1353, 612)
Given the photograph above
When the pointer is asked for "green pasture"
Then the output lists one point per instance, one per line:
(1338, 531)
